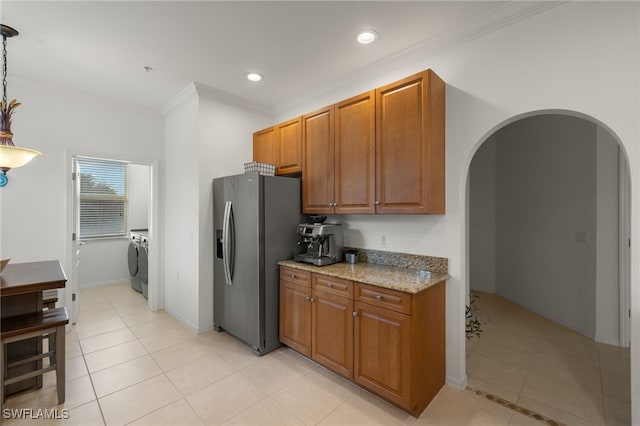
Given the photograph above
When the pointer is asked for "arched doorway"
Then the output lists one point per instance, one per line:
(547, 232)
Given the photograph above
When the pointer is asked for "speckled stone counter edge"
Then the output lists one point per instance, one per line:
(402, 279)
(438, 265)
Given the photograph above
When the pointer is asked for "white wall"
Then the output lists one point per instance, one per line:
(551, 61)
(482, 218)
(105, 261)
(139, 187)
(608, 241)
(525, 269)
(545, 199)
(210, 134)
(60, 123)
(225, 144)
(181, 215)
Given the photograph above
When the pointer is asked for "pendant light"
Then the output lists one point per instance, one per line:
(11, 156)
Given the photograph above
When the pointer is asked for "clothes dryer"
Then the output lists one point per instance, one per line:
(143, 266)
(137, 258)
(134, 270)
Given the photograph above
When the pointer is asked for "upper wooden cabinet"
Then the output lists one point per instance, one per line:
(355, 155)
(410, 148)
(264, 145)
(289, 147)
(379, 152)
(280, 145)
(317, 162)
(338, 174)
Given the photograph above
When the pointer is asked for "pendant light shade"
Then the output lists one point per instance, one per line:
(11, 156)
(14, 156)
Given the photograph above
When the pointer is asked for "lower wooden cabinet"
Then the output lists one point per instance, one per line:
(383, 343)
(389, 342)
(315, 322)
(295, 310)
(332, 331)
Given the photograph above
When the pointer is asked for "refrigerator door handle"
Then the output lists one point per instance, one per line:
(226, 243)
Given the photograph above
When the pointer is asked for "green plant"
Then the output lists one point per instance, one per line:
(473, 322)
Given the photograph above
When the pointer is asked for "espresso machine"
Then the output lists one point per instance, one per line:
(324, 243)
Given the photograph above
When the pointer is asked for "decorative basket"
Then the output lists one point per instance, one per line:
(262, 168)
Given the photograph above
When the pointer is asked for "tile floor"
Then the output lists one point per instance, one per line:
(542, 366)
(127, 365)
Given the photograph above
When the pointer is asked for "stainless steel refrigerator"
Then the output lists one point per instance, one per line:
(255, 222)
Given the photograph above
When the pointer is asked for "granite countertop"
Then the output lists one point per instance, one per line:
(402, 279)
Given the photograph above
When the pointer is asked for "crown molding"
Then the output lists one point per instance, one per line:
(230, 99)
(500, 17)
(181, 98)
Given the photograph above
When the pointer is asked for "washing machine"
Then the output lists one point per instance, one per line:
(143, 265)
(137, 255)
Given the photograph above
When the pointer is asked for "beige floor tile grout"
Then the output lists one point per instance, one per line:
(138, 339)
(93, 388)
(120, 294)
(546, 329)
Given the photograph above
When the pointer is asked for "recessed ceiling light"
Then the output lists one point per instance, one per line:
(254, 76)
(367, 36)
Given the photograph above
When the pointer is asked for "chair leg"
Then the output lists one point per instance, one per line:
(60, 363)
(51, 347)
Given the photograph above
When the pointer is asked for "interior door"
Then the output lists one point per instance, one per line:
(75, 242)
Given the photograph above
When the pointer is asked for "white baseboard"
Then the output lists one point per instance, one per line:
(609, 340)
(103, 283)
(459, 383)
(192, 328)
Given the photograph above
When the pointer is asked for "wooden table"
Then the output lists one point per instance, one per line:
(21, 287)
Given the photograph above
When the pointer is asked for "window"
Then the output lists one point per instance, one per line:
(102, 203)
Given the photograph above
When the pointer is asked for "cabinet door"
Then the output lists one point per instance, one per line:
(410, 145)
(355, 155)
(264, 145)
(295, 317)
(317, 171)
(382, 352)
(289, 147)
(332, 334)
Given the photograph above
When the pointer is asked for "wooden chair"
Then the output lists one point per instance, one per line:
(49, 322)
(49, 303)
(49, 299)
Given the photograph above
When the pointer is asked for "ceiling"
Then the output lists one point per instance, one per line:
(301, 47)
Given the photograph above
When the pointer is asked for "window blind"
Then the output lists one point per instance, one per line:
(103, 198)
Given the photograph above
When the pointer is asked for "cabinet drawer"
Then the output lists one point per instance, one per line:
(384, 298)
(296, 276)
(333, 285)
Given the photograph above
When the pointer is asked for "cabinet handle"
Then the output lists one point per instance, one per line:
(293, 275)
(330, 285)
(330, 204)
(377, 203)
(312, 300)
(308, 299)
(355, 314)
(378, 297)
(335, 204)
